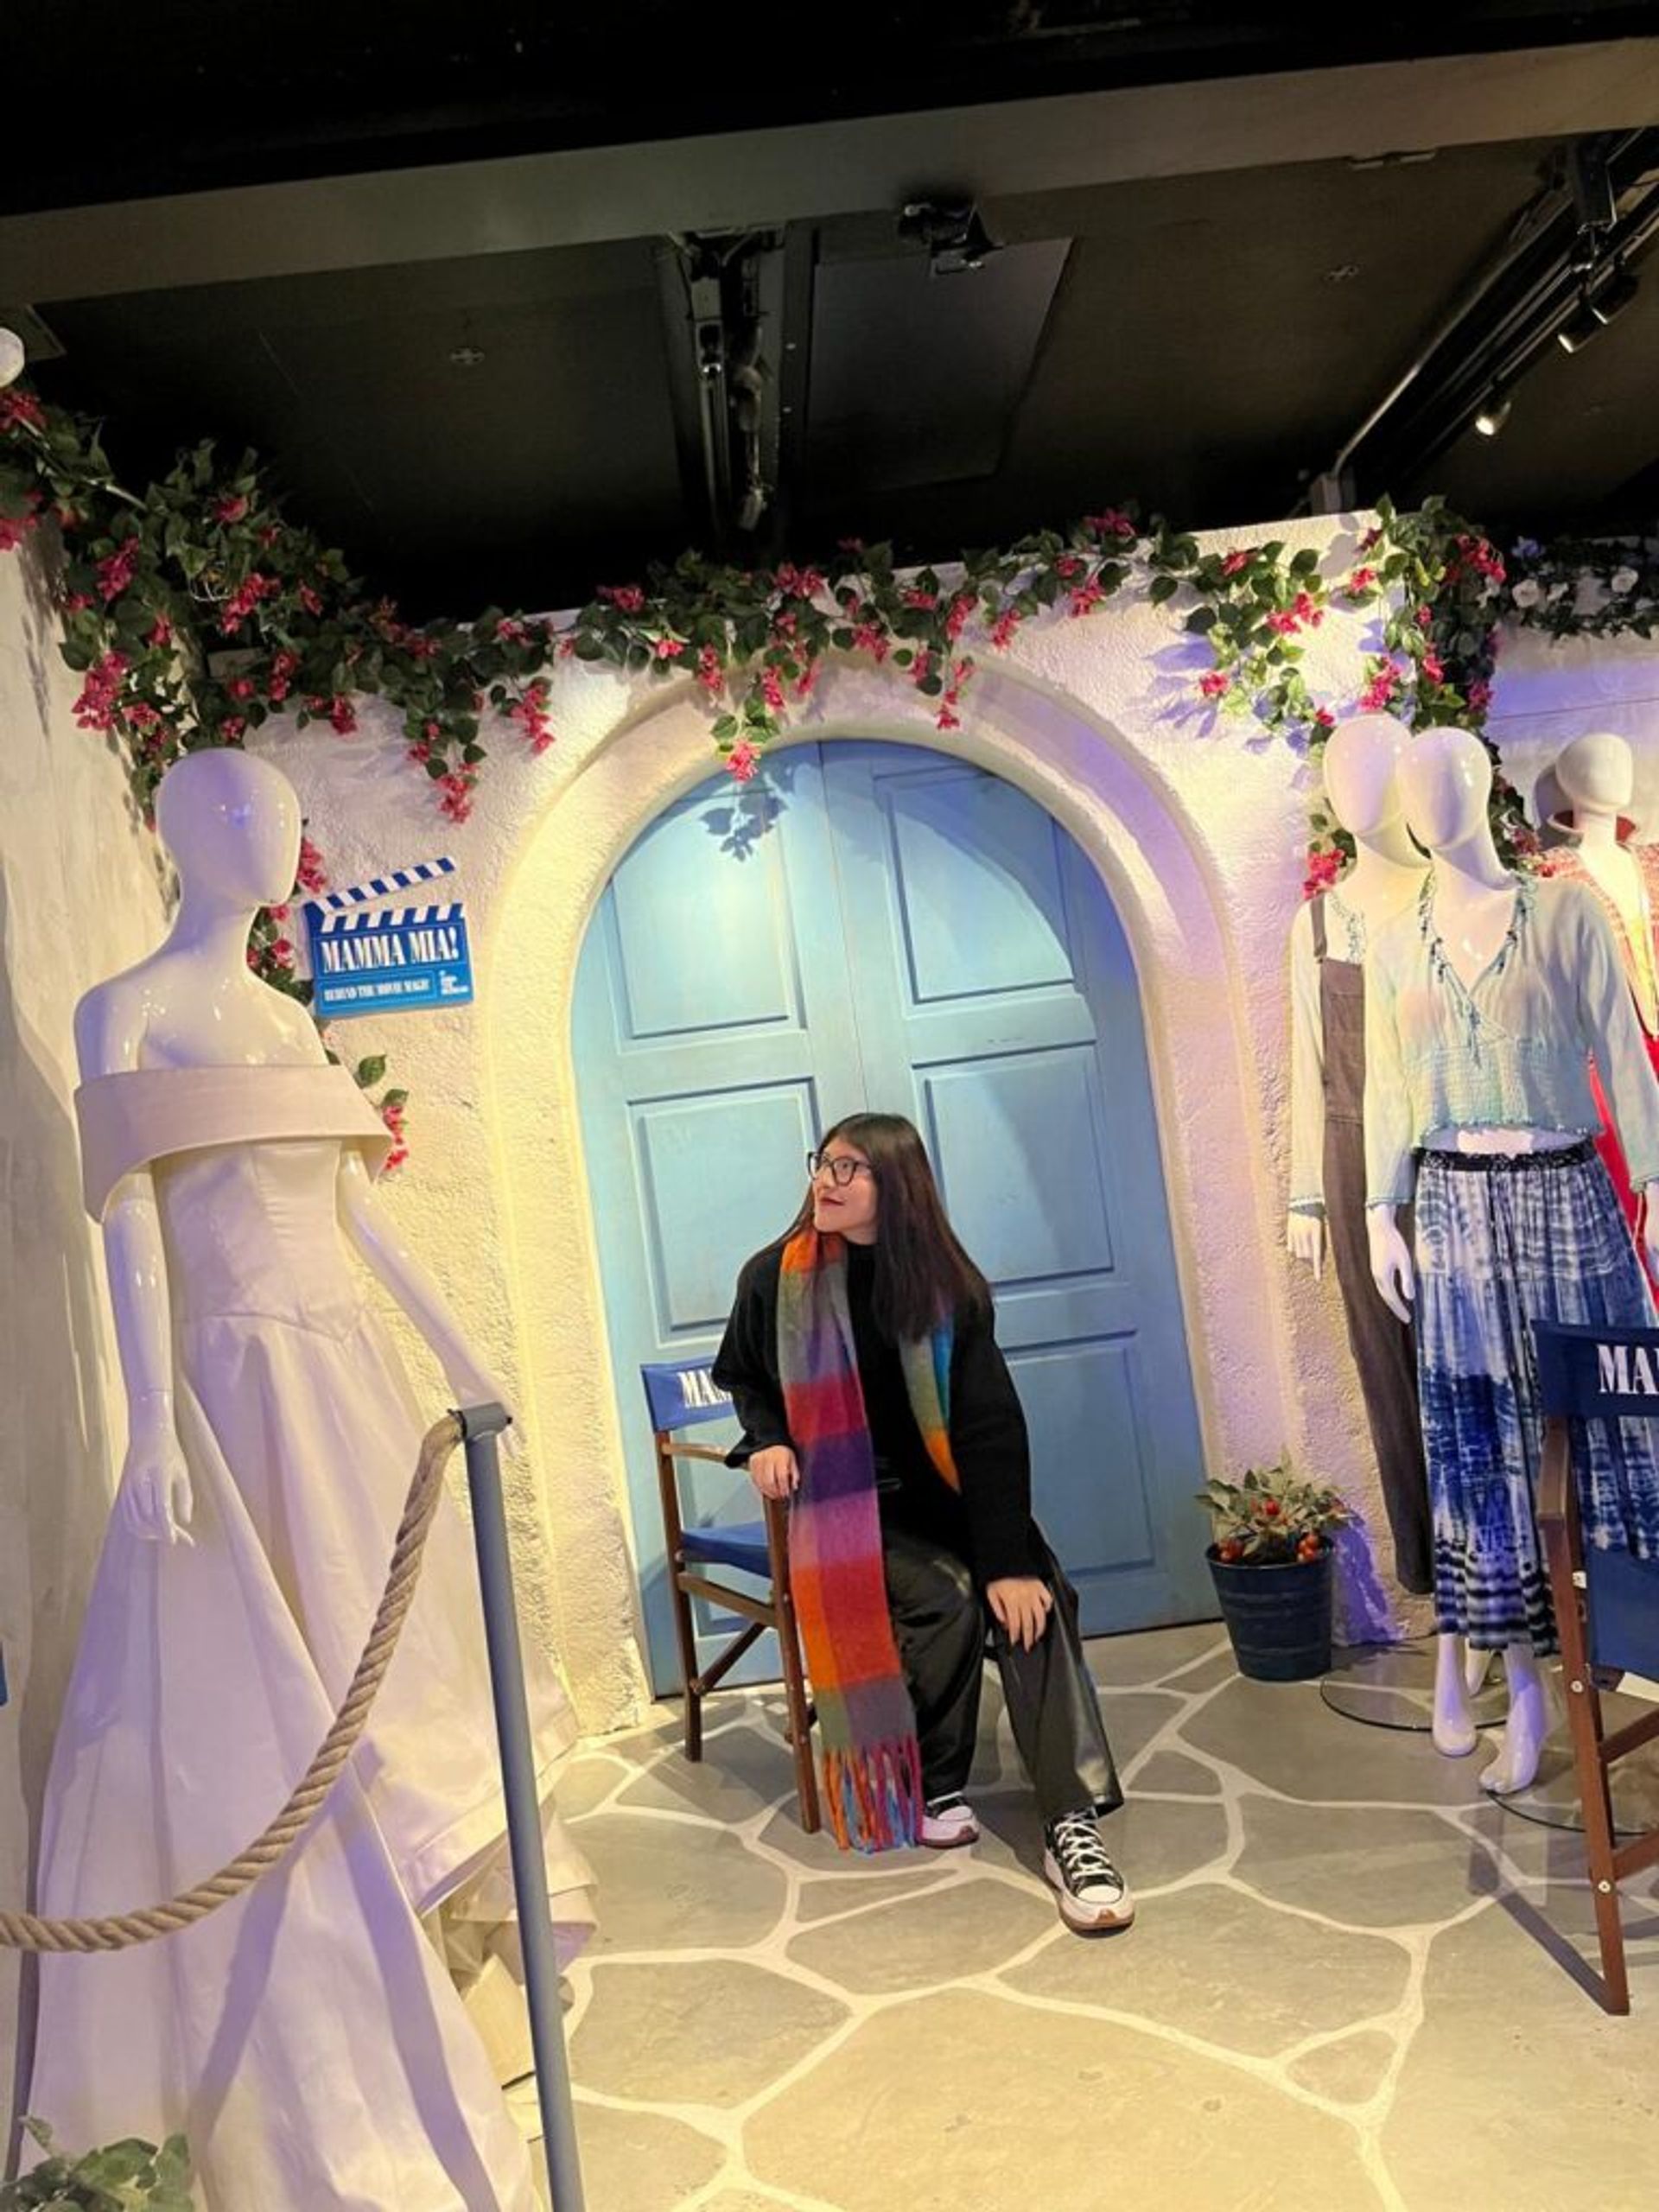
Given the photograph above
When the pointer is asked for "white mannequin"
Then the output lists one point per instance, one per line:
(1597, 773)
(231, 824)
(1446, 782)
(1362, 757)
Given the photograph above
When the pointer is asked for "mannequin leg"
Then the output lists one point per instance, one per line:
(1453, 1733)
(1516, 1762)
(1476, 1666)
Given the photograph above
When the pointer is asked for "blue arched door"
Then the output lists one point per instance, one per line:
(884, 927)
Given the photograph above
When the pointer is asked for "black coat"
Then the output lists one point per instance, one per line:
(990, 1524)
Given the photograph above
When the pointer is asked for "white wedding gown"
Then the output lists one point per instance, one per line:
(305, 2038)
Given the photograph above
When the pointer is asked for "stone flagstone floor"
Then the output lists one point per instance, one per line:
(1349, 1989)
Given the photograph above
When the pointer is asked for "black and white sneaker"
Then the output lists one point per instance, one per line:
(948, 1823)
(1093, 1896)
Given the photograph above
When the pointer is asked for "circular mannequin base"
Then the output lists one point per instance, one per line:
(1552, 1800)
(1392, 1685)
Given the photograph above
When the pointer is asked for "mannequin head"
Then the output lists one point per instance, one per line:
(1362, 757)
(1597, 774)
(1445, 781)
(232, 826)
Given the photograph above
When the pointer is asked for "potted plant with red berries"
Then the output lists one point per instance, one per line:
(1271, 1565)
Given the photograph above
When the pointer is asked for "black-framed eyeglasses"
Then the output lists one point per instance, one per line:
(840, 1168)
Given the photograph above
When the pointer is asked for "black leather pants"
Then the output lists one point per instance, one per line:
(940, 1624)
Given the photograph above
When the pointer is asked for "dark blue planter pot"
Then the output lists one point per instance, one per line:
(1279, 1618)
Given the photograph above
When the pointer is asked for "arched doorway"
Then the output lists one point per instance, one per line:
(884, 926)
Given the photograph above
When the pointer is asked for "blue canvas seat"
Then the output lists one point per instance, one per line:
(682, 1395)
(1606, 1603)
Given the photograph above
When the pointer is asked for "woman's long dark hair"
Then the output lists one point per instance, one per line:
(922, 1274)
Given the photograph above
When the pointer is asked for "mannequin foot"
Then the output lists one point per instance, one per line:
(1476, 1666)
(1516, 1765)
(1454, 1734)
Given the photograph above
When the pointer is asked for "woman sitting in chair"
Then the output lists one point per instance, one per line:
(862, 1359)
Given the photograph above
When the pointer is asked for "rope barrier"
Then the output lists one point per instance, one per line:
(27, 1931)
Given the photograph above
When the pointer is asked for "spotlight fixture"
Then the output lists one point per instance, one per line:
(953, 233)
(1492, 413)
(1597, 305)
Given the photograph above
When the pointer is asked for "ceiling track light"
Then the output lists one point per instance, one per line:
(1597, 305)
(1493, 412)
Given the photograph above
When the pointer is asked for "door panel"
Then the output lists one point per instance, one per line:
(997, 1004)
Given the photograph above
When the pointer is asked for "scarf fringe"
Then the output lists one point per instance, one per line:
(873, 1795)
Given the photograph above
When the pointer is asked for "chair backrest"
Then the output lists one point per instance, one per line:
(681, 1392)
(1589, 1373)
(1586, 1373)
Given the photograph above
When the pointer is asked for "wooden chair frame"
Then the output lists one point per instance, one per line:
(691, 1579)
(1594, 1752)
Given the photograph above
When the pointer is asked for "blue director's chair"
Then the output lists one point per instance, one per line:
(682, 1394)
(1606, 1602)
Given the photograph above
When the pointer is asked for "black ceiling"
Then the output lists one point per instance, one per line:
(425, 265)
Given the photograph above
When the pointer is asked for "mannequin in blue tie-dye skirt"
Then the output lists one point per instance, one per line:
(1483, 1006)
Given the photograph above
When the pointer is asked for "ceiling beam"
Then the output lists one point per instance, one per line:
(760, 179)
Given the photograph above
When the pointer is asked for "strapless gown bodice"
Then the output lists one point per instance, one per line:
(253, 1231)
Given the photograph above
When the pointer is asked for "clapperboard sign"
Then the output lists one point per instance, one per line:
(369, 961)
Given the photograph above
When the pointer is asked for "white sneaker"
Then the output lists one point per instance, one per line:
(947, 1824)
(1093, 1896)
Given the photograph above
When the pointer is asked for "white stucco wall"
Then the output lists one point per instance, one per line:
(78, 897)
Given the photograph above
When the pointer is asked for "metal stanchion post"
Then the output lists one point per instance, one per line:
(481, 1426)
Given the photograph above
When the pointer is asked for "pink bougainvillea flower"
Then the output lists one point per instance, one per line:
(231, 508)
(241, 687)
(1113, 522)
(1215, 684)
(342, 714)
(232, 730)
(742, 761)
(867, 638)
(1235, 563)
(1283, 623)
(1480, 695)
(1087, 597)
(1308, 609)
(1005, 628)
(310, 601)
(309, 874)
(1324, 719)
(627, 598)
(1068, 565)
(160, 632)
(923, 601)
(95, 707)
(1432, 667)
(962, 607)
(21, 409)
(1360, 582)
(798, 583)
(772, 690)
(115, 571)
(1323, 869)
(710, 674)
(669, 648)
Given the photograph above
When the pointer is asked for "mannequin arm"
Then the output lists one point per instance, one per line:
(389, 1259)
(154, 1499)
(1304, 1222)
(1391, 1268)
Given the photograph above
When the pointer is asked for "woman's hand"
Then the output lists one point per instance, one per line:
(1022, 1603)
(774, 1472)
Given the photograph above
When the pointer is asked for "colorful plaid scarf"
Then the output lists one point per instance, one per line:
(872, 1766)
